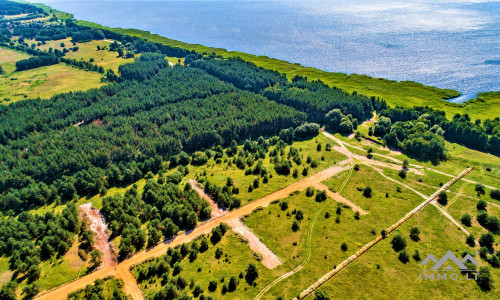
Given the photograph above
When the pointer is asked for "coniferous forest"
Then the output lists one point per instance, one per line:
(81, 143)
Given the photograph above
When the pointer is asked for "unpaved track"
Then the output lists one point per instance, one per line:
(98, 226)
(122, 269)
(450, 217)
(339, 198)
(216, 210)
(363, 250)
(269, 259)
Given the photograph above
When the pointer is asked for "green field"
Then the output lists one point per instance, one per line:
(380, 274)
(42, 82)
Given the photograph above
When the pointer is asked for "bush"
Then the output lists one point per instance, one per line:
(367, 192)
(487, 240)
(402, 174)
(481, 205)
(443, 198)
(495, 194)
(320, 196)
(398, 242)
(295, 226)
(199, 158)
(466, 219)
(403, 257)
(343, 247)
(415, 234)
(471, 240)
(309, 192)
(284, 205)
(252, 273)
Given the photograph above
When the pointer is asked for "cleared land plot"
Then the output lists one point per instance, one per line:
(327, 233)
(380, 274)
(8, 59)
(45, 82)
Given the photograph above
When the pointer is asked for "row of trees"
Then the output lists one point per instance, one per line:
(83, 65)
(36, 62)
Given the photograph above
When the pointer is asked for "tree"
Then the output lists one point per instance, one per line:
(487, 240)
(251, 273)
(403, 257)
(8, 291)
(466, 219)
(233, 283)
(343, 247)
(367, 192)
(495, 194)
(30, 290)
(481, 205)
(416, 255)
(321, 295)
(95, 258)
(212, 285)
(484, 279)
(295, 226)
(154, 237)
(479, 189)
(402, 174)
(398, 242)
(1, 70)
(443, 198)
(471, 240)
(415, 234)
(284, 205)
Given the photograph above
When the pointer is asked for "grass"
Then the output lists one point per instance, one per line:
(235, 259)
(8, 59)
(327, 234)
(86, 51)
(45, 82)
(404, 93)
(218, 173)
(381, 275)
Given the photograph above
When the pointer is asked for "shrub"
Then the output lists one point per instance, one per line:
(471, 240)
(343, 247)
(403, 257)
(398, 242)
(466, 219)
(443, 198)
(367, 192)
(295, 226)
(415, 234)
(309, 192)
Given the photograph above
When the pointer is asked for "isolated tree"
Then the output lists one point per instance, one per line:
(398, 242)
(471, 240)
(343, 247)
(443, 198)
(295, 226)
(367, 192)
(415, 234)
(466, 219)
(252, 273)
(212, 285)
(233, 283)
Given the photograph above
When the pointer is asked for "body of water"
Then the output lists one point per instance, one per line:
(449, 43)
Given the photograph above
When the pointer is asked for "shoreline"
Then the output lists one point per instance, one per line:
(395, 93)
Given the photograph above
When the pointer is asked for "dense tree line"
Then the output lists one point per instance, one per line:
(312, 97)
(15, 8)
(127, 128)
(484, 136)
(83, 65)
(36, 62)
(30, 239)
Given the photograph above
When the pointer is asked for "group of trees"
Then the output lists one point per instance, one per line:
(166, 207)
(128, 129)
(30, 239)
(83, 65)
(480, 135)
(36, 62)
(16, 8)
(417, 138)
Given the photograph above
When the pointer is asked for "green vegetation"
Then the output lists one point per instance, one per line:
(108, 288)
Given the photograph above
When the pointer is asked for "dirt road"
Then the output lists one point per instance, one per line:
(269, 259)
(98, 226)
(339, 198)
(363, 250)
(217, 211)
(122, 269)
